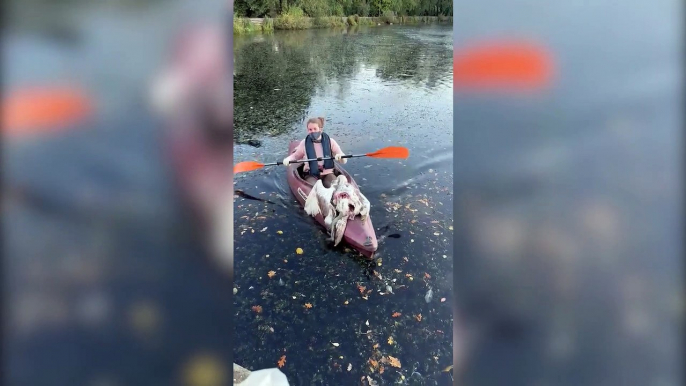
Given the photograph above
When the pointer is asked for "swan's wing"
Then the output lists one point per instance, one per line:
(318, 201)
(340, 223)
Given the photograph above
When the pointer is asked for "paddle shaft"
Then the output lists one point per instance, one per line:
(315, 159)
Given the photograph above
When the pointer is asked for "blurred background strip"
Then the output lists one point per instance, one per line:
(115, 156)
(568, 192)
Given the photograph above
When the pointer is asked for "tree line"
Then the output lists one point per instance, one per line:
(362, 8)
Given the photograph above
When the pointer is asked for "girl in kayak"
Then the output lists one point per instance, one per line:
(317, 144)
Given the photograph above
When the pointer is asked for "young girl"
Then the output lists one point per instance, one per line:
(317, 144)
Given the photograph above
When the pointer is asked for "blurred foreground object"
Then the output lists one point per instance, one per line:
(193, 96)
(40, 110)
(502, 65)
(266, 377)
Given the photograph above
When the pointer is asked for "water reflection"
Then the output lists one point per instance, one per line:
(277, 75)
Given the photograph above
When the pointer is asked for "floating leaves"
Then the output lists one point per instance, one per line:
(335, 344)
(391, 361)
(257, 309)
(279, 232)
(447, 369)
(346, 302)
(381, 369)
(391, 341)
(350, 366)
(418, 317)
(361, 288)
(281, 361)
(442, 300)
(376, 345)
(396, 314)
(271, 274)
(308, 305)
(299, 251)
(427, 276)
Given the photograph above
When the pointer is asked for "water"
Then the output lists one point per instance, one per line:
(376, 87)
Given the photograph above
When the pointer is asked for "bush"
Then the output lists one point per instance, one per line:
(268, 25)
(329, 21)
(388, 17)
(243, 25)
(293, 18)
(352, 21)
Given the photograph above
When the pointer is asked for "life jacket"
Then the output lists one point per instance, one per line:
(311, 153)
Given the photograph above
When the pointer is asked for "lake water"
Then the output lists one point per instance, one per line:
(377, 87)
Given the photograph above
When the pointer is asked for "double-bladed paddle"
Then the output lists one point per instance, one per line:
(386, 152)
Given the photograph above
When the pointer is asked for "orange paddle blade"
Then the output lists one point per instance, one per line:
(502, 65)
(41, 110)
(390, 152)
(247, 166)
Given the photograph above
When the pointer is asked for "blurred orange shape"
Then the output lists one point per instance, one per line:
(41, 110)
(517, 65)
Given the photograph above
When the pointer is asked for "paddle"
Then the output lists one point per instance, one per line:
(386, 152)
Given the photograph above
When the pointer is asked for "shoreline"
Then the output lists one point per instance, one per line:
(245, 25)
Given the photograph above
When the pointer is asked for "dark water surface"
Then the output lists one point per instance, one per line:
(376, 87)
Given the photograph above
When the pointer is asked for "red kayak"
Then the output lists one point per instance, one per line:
(358, 234)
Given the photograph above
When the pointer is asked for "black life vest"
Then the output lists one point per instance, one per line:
(311, 153)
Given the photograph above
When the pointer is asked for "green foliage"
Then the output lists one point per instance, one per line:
(242, 26)
(352, 21)
(268, 25)
(293, 18)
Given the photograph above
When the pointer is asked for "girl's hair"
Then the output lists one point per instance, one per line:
(318, 120)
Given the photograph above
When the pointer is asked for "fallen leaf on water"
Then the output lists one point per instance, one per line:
(308, 305)
(257, 309)
(396, 314)
(418, 317)
(281, 361)
(405, 258)
(271, 274)
(442, 300)
(381, 369)
(345, 302)
(279, 232)
(350, 366)
(299, 251)
(390, 340)
(374, 363)
(397, 270)
(263, 229)
(361, 288)
(394, 362)
(450, 227)
(335, 344)
(427, 276)
(447, 369)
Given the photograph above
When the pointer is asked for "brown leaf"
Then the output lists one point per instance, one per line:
(271, 274)
(394, 362)
(427, 276)
(374, 363)
(281, 361)
(418, 317)
(381, 369)
(361, 288)
(308, 305)
(396, 314)
(376, 345)
(257, 309)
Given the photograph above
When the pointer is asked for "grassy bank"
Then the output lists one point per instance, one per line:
(295, 19)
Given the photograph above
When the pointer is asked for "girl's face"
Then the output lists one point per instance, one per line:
(313, 128)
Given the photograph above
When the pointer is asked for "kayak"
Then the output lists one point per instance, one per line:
(358, 234)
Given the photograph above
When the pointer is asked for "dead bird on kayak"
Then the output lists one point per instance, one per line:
(337, 204)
